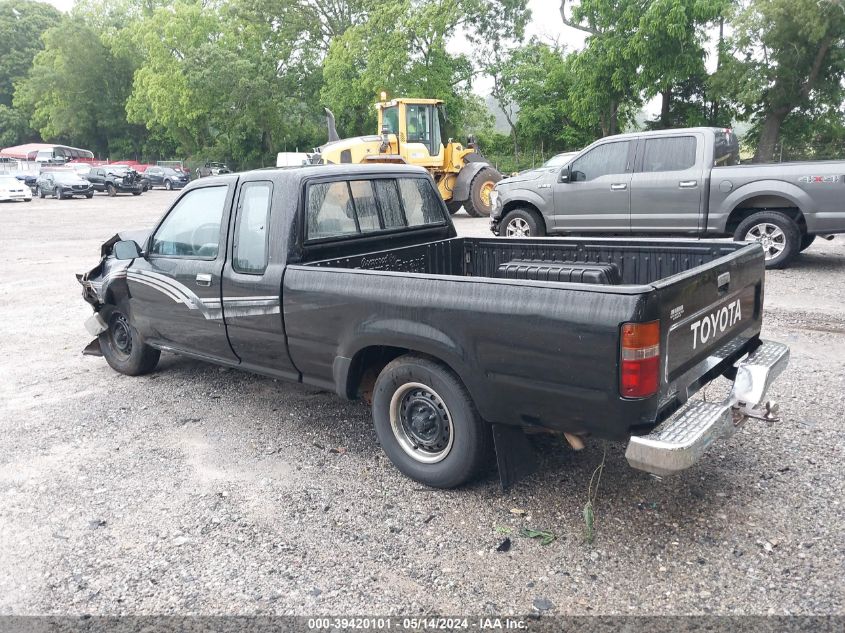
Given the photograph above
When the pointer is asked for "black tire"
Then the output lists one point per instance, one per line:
(57, 194)
(168, 185)
(454, 207)
(89, 195)
(124, 349)
(522, 223)
(41, 193)
(111, 190)
(441, 412)
(806, 242)
(784, 236)
(137, 193)
(479, 204)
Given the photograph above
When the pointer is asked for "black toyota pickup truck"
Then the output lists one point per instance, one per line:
(352, 279)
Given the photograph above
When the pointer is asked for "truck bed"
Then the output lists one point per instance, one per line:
(639, 263)
(532, 352)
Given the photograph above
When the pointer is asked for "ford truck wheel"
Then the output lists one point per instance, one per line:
(479, 203)
(776, 232)
(123, 348)
(427, 423)
(110, 189)
(522, 223)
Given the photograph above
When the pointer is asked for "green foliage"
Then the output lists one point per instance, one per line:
(21, 24)
(244, 79)
(789, 61)
(402, 49)
(76, 90)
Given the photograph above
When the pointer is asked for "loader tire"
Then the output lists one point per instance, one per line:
(479, 204)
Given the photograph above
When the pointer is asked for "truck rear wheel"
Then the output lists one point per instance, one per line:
(124, 349)
(778, 234)
(522, 223)
(479, 204)
(427, 423)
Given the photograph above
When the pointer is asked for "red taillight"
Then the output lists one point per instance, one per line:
(640, 356)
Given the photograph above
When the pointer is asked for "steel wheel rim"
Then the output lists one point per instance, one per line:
(486, 190)
(518, 228)
(770, 236)
(421, 423)
(121, 335)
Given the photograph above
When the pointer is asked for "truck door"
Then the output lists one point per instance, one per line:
(667, 184)
(597, 196)
(175, 287)
(252, 281)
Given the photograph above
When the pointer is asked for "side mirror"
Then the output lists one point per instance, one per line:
(126, 249)
(565, 175)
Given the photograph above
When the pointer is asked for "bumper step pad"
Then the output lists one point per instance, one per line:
(682, 439)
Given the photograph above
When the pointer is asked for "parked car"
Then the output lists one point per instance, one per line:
(676, 182)
(212, 169)
(175, 164)
(351, 278)
(12, 189)
(115, 179)
(166, 177)
(28, 180)
(62, 184)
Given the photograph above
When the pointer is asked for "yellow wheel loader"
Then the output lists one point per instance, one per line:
(410, 133)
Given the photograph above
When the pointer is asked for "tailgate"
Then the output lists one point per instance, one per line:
(708, 307)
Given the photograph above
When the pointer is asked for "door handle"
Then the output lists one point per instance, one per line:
(203, 279)
(618, 187)
(688, 184)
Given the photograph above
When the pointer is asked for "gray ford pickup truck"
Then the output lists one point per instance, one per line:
(352, 279)
(676, 182)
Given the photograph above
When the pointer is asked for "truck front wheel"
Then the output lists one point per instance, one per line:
(776, 232)
(427, 423)
(124, 349)
(479, 204)
(522, 223)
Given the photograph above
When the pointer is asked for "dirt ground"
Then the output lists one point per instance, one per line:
(202, 490)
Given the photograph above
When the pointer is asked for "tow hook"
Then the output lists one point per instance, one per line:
(766, 411)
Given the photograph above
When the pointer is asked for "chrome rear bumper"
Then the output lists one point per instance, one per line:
(683, 438)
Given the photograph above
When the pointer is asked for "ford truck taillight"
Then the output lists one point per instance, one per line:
(640, 359)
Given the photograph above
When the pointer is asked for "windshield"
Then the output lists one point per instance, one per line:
(560, 159)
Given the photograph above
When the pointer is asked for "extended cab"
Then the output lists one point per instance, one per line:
(677, 182)
(352, 279)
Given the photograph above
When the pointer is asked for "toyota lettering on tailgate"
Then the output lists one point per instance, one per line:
(713, 325)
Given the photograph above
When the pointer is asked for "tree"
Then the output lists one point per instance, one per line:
(668, 46)
(21, 24)
(76, 90)
(607, 68)
(402, 48)
(789, 60)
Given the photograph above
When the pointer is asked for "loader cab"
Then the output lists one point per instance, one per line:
(416, 124)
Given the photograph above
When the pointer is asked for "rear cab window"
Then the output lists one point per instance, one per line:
(365, 206)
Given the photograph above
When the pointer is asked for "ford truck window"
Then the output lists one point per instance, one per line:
(673, 153)
(330, 212)
(192, 228)
(610, 158)
(366, 208)
(249, 251)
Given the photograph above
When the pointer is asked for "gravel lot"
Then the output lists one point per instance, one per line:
(201, 490)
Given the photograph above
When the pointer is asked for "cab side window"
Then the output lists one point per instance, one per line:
(251, 224)
(192, 228)
(604, 160)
